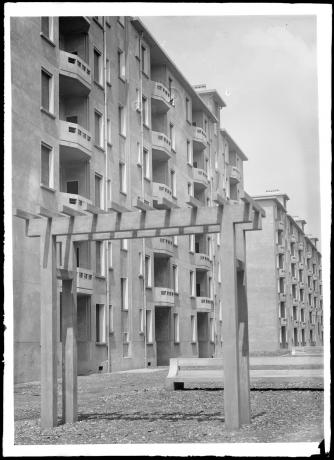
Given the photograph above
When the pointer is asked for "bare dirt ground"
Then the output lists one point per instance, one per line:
(134, 407)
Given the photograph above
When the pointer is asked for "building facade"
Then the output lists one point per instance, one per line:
(284, 277)
(102, 120)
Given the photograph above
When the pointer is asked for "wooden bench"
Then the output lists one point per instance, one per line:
(204, 370)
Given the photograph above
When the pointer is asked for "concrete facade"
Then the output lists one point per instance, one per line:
(284, 281)
(101, 119)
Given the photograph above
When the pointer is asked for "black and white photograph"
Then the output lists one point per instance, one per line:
(167, 229)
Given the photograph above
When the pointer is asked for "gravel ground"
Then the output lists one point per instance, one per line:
(135, 408)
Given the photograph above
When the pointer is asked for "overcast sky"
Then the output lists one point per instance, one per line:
(265, 69)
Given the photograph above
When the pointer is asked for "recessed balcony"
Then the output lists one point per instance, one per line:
(204, 303)
(75, 202)
(234, 174)
(75, 73)
(202, 261)
(74, 140)
(281, 272)
(163, 296)
(84, 280)
(163, 245)
(163, 196)
(199, 137)
(160, 98)
(200, 177)
(161, 146)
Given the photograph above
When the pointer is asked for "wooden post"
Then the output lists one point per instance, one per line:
(230, 323)
(48, 296)
(69, 344)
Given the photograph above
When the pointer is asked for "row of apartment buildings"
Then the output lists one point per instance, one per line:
(103, 120)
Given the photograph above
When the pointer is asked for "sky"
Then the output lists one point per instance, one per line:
(265, 69)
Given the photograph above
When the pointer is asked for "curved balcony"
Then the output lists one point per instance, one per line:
(74, 140)
(199, 138)
(76, 202)
(163, 196)
(161, 146)
(84, 280)
(202, 261)
(75, 75)
(281, 272)
(283, 321)
(200, 178)
(293, 259)
(234, 174)
(163, 245)
(163, 296)
(280, 249)
(160, 98)
(204, 303)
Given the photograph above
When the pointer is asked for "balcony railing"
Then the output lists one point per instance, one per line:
(161, 97)
(163, 295)
(202, 261)
(163, 196)
(284, 321)
(76, 202)
(200, 176)
(84, 280)
(163, 245)
(280, 249)
(293, 259)
(204, 303)
(74, 136)
(199, 136)
(75, 67)
(162, 144)
(281, 272)
(234, 173)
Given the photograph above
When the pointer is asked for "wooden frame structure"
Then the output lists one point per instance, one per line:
(225, 218)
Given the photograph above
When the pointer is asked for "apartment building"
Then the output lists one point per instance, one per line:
(284, 281)
(103, 120)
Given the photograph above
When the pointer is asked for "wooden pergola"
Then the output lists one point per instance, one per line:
(225, 218)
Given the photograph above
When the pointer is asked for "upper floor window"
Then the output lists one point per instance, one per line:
(145, 111)
(121, 64)
(122, 177)
(99, 258)
(146, 163)
(189, 153)
(121, 120)
(144, 60)
(108, 71)
(172, 135)
(47, 91)
(46, 165)
(98, 70)
(47, 27)
(98, 190)
(98, 124)
(188, 110)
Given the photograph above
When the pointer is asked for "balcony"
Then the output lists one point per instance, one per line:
(74, 140)
(163, 197)
(200, 177)
(310, 272)
(280, 225)
(293, 259)
(234, 174)
(204, 303)
(301, 246)
(303, 324)
(280, 249)
(281, 272)
(161, 146)
(202, 261)
(282, 296)
(294, 280)
(75, 202)
(315, 276)
(310, 290)
(84, 280)
(295, 302)
(301, 285)
(160, 98)
(163, 296)
(295, 322)
(293, 238)
(75, 74)
(283, 321)
(301, 266)
(163, 245)
(199, 137)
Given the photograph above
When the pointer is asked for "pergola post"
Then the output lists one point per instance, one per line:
(48, 295)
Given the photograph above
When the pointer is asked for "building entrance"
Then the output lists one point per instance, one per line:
(162, 335)
(203, 334)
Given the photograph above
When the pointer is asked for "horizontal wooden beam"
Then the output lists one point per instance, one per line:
(131, 221)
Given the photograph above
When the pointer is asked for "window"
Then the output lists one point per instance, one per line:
(188, 110)
(215, 128)
(220, 311)
(209, 248)
(140, 264)
(108, 130)
(46, 165)
(190, 189)
(146, 164)
(173, 182)
(98, 190)
(139, 155)
(148, 271)
(144, 60)
(124, 294)
(206, 126)
(145, 111)
(193, 329)
(121, 121)
(192, 243)
(122, 178)
(189, 153)
(175, 278)
(210, 288)
(216, 160)
(98, 70)
(98, 124)
(47, 91)
(99, 258)
(110, 265)
(124, 244)
(100, 324)
(59, 254)
(192, 283)
(219, 273)
(111, 318)
(149, 326)
(218, 239)
(47, 27)
(176, 328)
(108, 71)
(212, 330)
(172, 135)
(121, 65)
(175, 240)
(141, 321)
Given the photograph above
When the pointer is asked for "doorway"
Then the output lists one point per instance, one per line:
(203, 334)
(162, 335)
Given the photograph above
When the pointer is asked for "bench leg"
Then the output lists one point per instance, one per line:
(170, 385)
(178, 385)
